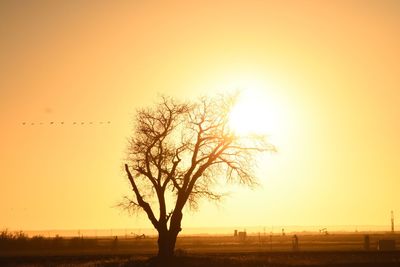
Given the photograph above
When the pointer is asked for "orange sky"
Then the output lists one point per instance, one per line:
(331, 69)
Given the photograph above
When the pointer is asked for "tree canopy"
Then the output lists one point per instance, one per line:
(178, 152)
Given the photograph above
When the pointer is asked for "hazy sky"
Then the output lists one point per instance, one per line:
(330, 71)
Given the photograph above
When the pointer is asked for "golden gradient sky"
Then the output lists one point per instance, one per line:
(330, 69)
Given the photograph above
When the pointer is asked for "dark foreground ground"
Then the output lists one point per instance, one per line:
(251, 259)
(334, 250)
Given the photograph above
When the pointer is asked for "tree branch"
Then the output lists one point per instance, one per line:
(145, 206)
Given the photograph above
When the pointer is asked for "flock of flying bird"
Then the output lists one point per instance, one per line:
(65, 123)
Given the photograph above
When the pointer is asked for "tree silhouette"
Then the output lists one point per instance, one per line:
(177, 154)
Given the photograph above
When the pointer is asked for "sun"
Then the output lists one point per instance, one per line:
(254, 113)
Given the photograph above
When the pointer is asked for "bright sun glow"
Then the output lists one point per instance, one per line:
(254, 113)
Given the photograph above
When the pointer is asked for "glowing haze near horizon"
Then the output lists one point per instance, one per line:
(328, 73)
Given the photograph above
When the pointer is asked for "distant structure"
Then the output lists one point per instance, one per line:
(142, 236)
(392, 220)
(366, 242)
(283, 231)
(235, 233)
(295, 243)
(323, 231)
(242, 236)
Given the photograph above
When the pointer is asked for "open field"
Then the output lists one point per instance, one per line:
(321, 258)
(314, 250)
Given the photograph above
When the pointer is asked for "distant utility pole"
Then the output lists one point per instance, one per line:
(392, 220)
(264, 235)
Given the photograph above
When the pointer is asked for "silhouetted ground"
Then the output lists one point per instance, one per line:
(281, 259)
(211, 251)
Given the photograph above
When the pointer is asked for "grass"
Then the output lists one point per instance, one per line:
(332, 259)
(315, 250)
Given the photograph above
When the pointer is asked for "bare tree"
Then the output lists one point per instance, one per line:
(176, 155)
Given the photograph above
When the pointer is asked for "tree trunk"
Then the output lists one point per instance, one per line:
(167, 237)
(166, 243)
